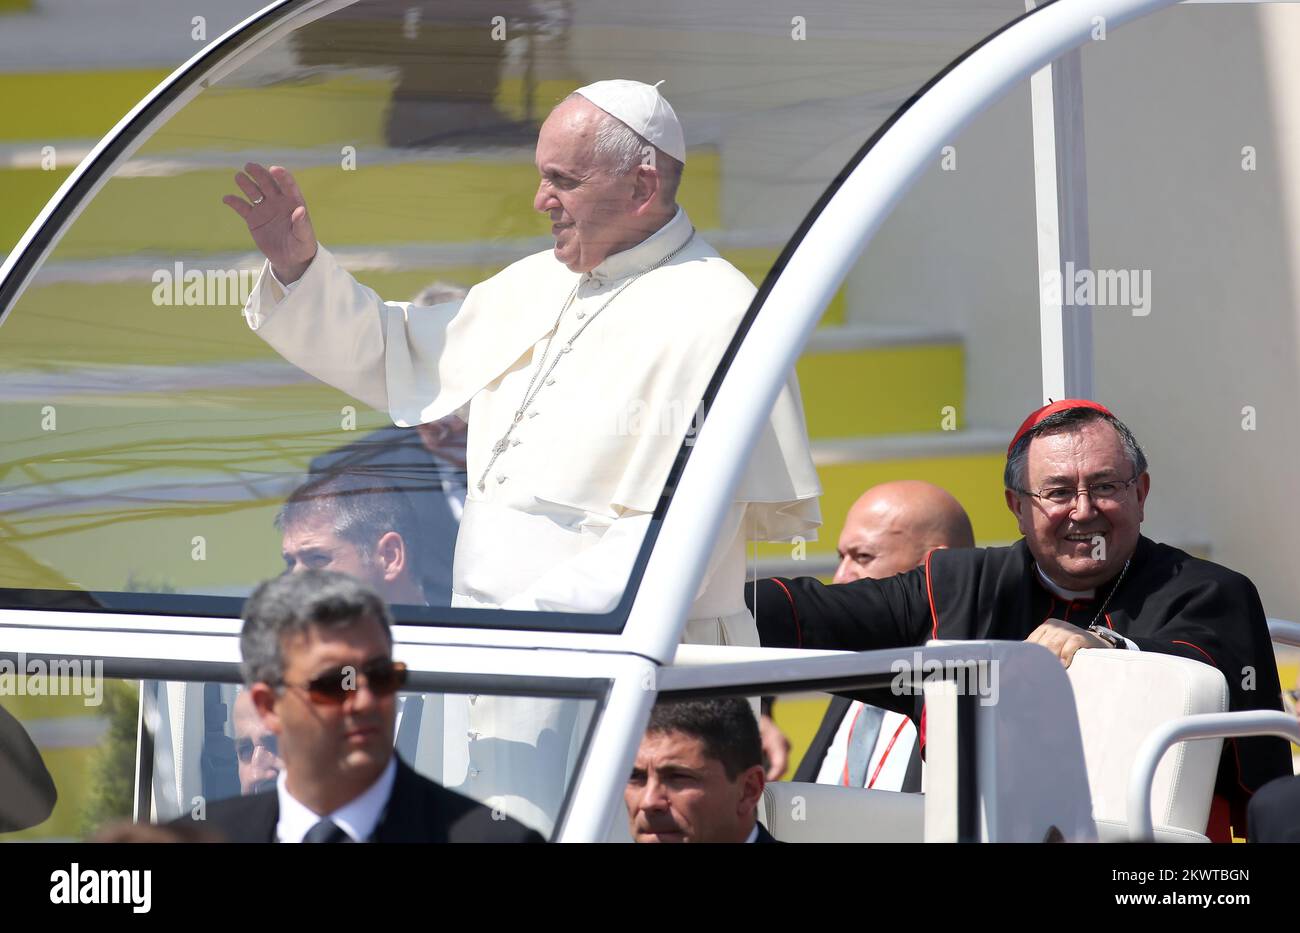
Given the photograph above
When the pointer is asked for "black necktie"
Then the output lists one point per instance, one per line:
(326, 831)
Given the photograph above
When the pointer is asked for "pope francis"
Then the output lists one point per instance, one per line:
(581, 367)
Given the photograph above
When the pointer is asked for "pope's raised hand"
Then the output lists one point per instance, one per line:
(277, 218)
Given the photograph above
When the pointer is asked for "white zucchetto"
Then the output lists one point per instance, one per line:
(642, 108)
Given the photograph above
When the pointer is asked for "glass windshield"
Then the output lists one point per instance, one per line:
(472, 392)
(200, 743)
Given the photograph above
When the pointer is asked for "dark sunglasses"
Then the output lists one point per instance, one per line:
(245, 747)
(384, 677)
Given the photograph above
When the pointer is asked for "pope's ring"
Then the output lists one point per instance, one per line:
(259, 200)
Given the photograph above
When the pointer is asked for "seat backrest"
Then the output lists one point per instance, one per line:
(797, 812)
(1121, 697)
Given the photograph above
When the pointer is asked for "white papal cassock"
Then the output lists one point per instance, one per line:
(556, 518)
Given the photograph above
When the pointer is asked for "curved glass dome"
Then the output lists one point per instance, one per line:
(152, 439)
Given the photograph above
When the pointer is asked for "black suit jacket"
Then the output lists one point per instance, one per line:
(821, 743)
(1274, 813)
(764, 835)
(418, 810)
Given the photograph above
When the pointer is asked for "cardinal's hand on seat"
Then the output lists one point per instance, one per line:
(1063, 639)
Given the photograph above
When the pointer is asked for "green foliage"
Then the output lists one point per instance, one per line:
(111, 774)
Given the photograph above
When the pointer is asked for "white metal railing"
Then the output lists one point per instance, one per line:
(1201, 726)
(1284, 633)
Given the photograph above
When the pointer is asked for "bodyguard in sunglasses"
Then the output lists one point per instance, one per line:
(317, 659)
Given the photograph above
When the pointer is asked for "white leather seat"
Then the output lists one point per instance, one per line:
(797, 812)
(1121, 696)
(1118, 831)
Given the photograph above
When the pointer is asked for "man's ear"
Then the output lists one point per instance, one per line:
(1143, 487)
(264, 700)
(1017, 506)
(645, 186)
(751, 791)
(391, 552)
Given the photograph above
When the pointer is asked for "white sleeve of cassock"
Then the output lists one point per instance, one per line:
(334, 328)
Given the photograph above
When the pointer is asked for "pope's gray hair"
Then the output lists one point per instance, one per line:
(1016, 474)
(622, 149)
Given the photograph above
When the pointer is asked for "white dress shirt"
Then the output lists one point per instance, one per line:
(890, 755)
(358, 817)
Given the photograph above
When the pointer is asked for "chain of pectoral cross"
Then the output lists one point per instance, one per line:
(535, 384)
(1106, 601)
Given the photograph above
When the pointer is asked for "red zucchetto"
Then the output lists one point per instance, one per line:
(1036, 418)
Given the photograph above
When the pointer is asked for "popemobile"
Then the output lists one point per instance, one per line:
(902, 187)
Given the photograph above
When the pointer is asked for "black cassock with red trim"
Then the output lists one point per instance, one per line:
(1168, 601)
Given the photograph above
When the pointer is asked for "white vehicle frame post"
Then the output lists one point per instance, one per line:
(1061, 208)
(1283, 632)
(829, 246)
